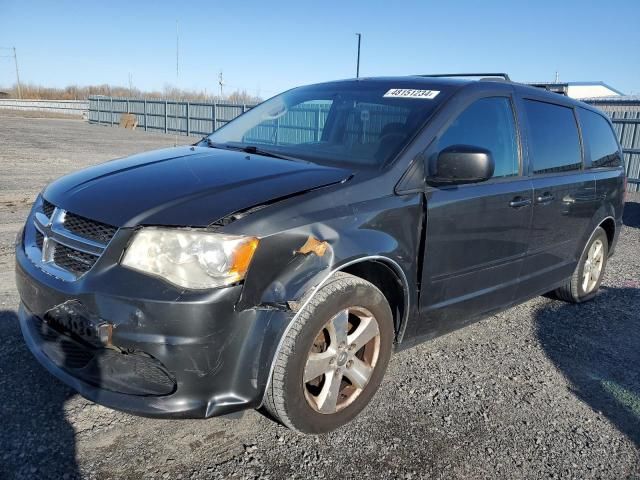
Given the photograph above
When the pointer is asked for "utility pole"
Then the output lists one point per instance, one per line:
(221, 83)
(177, 50)
(177, 79)
(15, 59)
(359, 35)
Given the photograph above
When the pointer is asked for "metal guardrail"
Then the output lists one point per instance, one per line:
(166, 116)
(68, 107)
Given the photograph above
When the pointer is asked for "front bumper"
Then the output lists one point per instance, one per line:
(169, 353)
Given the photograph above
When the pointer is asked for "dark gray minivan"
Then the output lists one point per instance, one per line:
(278, 263)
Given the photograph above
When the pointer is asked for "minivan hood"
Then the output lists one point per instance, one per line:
(184, 186)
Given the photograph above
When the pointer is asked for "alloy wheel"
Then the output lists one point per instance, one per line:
(341, 360)
(593, 266)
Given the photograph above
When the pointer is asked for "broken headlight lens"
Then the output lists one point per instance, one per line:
(190, 258)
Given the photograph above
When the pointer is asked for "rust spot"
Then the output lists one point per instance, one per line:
(313, 245)
(105, 333)
(294, 306)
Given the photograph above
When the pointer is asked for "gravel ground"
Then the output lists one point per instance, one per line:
(8, 112)
(543, 390)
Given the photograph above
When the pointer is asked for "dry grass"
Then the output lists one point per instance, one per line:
(74, 92)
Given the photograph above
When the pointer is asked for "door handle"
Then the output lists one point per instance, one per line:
(520, 202)
(545, 198)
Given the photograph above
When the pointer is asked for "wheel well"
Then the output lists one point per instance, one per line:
(387, 281)
(609, 226)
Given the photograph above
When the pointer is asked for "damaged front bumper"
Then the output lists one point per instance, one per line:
(139, 345)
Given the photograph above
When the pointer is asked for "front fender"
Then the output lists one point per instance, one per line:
(290, 264)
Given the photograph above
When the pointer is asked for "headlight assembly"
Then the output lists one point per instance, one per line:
(190, 258)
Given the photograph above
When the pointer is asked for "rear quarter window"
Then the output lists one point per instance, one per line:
(603, 146)
(554, 140)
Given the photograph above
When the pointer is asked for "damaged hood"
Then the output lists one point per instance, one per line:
(184, 186)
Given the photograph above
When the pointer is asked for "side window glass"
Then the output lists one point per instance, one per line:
(487, 123)
(602, 142)
(555, 144)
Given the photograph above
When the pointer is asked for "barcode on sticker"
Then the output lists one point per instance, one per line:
(411, 93)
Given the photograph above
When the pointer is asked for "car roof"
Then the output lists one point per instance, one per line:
(415, 81)
(453, 84)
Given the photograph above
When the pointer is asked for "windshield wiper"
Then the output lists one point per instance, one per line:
(212, 144)
(251, 149)
(259, 151)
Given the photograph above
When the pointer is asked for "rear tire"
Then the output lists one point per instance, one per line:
(587, 277)
(332, 358)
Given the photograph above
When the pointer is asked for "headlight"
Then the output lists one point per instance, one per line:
(190, 258)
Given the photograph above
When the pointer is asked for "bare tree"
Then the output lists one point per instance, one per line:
(75, 92)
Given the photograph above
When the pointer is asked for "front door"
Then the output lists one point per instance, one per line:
(476, 234)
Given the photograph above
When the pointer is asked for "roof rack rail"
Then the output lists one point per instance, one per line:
(501, 75)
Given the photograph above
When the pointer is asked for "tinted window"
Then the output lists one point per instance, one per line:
(600, 138)
(487, 123)
(555, 145)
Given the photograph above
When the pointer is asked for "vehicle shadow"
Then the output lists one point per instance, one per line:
(37, 441)
(631, 214)
(596, 346)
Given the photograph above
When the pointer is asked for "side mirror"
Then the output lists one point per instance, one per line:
(460, 164)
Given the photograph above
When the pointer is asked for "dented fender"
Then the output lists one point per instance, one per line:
(289, 264)
(283, 268)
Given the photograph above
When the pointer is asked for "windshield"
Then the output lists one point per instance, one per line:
(355, 123)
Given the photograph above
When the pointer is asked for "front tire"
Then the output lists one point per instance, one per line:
(587, 277)
(333, 357)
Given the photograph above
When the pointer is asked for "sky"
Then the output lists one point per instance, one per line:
(265, 47)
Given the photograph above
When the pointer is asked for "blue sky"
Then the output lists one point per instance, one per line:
(267, 46)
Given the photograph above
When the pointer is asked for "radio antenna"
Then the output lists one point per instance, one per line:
(175, 143)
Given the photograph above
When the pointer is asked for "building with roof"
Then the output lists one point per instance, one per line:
(579, 90)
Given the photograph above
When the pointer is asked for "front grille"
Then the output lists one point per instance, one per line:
(131, 372)
(47, 208)
(73, 318)
(65, 245)
(97, 231)
(73, 260)
(67, 352)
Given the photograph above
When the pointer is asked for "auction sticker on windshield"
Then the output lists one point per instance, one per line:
(411, 93)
